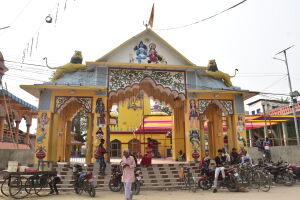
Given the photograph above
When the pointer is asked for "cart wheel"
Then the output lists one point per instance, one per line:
(5, 187)
(17, 188)
(42, 185)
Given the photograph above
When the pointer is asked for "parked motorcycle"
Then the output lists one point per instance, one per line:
(115, 184)
(230, 181)
(267, 155)
(296, 171)
(83, 181)
(281, 173)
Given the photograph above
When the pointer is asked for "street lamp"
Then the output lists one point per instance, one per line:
(292, 94)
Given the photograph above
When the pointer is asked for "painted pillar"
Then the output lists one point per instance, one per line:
(2, 128)
(284, 133)
(42, 135)
(17, 131)
(100, 112)
(229, 133)
(27, 138)
(192, 131)
(202, 135)
(89, 140)
(54, 137)
(239, 131)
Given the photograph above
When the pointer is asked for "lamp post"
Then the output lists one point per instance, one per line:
(292, 94)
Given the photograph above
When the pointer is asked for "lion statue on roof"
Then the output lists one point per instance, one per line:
(213, 71)
(74, 65)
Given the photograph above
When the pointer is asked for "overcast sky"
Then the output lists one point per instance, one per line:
(246, 37)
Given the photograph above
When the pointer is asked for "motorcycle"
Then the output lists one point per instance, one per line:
(267, 155)
(115, 184)
(296, 171)
(207, 177)
(281, 173)
(83, 181)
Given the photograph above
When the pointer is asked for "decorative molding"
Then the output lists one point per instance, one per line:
(225, 105)
(63, 101)
(122, 78)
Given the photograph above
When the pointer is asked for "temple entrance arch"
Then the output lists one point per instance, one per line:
(133, 86)
(217, 116)
(61, 140)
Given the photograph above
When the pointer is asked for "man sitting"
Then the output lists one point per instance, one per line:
(235, 157)
(220, 161)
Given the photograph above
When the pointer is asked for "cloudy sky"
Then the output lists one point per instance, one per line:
(246, 37)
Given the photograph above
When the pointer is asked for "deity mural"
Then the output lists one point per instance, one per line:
(193, 116)
(147, 54)
(100, 110)
(141, 52)
(43, 120)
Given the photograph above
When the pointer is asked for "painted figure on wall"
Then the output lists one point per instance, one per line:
(240, 123)
(100, 109)
(193, 116)
(195, 139)
(43, 120)
(152, 54)
(141, 52)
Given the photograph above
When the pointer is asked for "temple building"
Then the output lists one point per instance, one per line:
(144, 69)
(12, 111)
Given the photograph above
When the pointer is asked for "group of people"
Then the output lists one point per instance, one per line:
(222, 159)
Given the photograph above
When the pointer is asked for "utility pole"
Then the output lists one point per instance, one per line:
(292, 94)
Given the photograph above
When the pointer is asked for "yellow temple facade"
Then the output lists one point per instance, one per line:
(145, 66)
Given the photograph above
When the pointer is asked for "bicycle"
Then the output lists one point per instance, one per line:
(189, 181)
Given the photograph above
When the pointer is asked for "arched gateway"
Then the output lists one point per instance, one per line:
(205, 106)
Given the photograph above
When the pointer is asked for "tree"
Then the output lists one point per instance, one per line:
(79, 125)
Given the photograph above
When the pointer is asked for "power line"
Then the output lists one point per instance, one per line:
(274, 83)
(202, 20)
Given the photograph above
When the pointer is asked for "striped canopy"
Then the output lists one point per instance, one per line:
(156, 123)
(258, 121)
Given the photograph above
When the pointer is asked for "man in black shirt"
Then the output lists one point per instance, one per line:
(234, 156)
(220, 161)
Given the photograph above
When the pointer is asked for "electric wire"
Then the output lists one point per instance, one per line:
(202, 20)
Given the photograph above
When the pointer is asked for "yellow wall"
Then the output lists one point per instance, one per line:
(130, 119)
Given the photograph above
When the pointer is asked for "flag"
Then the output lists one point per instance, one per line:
(151, 19)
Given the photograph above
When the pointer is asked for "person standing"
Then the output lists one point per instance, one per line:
(128, 177)
(100, 156)
(220, 161)
(147, 158)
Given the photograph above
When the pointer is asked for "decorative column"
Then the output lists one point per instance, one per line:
(229, 133)
(17, 131)
(202, 135)
(89, 140)
(27, 138)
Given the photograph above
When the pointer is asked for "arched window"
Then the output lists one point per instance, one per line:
(115, 148)
(134, 146)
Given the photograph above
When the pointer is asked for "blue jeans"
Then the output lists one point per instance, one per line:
(102, 163)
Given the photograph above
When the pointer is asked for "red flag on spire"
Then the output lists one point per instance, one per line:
(151, 19)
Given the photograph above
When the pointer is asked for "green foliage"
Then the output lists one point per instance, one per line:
(79, 125)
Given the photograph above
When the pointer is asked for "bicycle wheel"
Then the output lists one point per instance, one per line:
(5, 187)
(18, 187)
(265, 184)
(15, 186)
(42, 186)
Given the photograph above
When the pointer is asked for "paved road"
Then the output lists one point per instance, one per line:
(276, 193)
